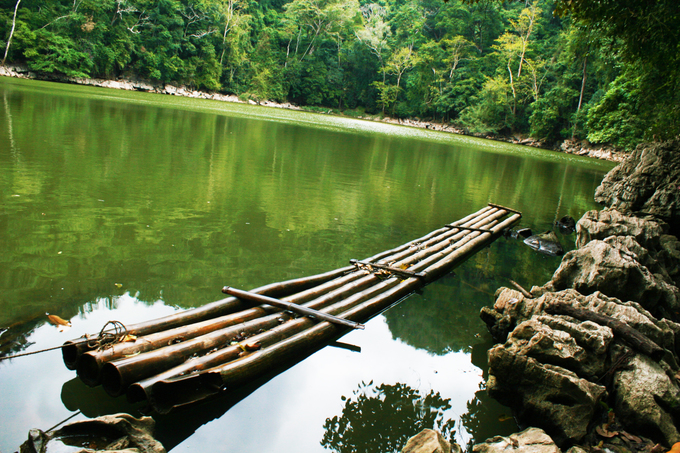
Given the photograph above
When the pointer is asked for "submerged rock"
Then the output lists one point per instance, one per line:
(546, 243)
(566, 224)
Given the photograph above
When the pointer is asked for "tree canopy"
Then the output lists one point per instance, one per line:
(552, 69)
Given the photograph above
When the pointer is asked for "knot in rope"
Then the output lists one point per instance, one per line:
(108, 337)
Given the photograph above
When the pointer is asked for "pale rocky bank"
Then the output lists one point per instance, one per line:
(581, 148)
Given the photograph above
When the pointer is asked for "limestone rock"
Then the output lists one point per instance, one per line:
(613, 267)
(611, 222)
(661, 251)
(648, 181)
(542, 394)
(531, 440)
(429, 441)
(648, 400)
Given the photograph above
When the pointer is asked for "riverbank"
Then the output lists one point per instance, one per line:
(592, 357)
(581, 148)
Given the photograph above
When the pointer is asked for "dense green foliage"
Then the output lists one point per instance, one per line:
(506, 68)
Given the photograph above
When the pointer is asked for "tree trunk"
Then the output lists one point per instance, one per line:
(11, 33)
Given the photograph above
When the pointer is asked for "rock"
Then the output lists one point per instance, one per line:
(566, 224)
(647, 230)
(647, 181)
(615, 267)
(552, 370)
(429, 441)
(662, 250)
(120, 433)
(531, 440)
(542, 394)
(546, 243)
(648, 400)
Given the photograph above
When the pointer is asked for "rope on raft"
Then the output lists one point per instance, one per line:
(105, 339)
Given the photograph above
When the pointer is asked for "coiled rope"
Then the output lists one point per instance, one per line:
(105, 339)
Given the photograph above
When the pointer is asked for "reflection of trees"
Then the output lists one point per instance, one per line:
(382, 418)
(445, 316)
(486, 418)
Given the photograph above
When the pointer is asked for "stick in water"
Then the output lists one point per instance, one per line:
(245, 295)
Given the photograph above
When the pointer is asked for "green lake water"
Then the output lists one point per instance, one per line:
(129, 206)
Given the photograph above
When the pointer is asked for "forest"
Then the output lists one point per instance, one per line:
(606, 72)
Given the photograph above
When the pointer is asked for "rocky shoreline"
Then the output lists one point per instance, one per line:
(581, 148)
(592, 357)
(590, 361)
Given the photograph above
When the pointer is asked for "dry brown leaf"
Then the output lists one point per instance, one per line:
(253, 346)
(602, 431)
(630, 437)
(57, 321)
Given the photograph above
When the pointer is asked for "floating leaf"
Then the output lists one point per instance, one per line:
(57, 321)
(118, 285)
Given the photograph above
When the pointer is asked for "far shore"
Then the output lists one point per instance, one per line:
(581, 148)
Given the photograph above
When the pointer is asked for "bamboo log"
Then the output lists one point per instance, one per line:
(295, 308)
(631, 336)
(74, 349)
(382, 255)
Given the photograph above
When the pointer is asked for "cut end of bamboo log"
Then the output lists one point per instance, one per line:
(88, 370)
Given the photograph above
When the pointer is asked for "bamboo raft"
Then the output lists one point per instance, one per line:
(198, 353)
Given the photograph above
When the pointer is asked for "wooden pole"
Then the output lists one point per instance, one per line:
(295, 308)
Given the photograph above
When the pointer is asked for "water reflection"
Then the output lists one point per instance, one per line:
(381, 418)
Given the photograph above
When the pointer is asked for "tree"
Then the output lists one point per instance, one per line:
(647, 37)
(11, 33)
(375, 32)
(316, 18)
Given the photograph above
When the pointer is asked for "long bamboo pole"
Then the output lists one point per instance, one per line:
(299, 309)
